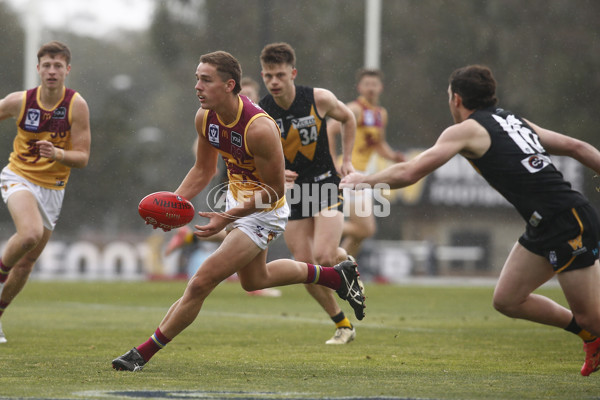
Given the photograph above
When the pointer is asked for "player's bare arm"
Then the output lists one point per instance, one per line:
(10, 106)
(467, 138)
(205, 167)
(329, 106)
(559, 144)
(334, 128)
(264, 144)
(79, 153)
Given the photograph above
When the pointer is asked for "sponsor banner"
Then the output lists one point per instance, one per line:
(118, 260)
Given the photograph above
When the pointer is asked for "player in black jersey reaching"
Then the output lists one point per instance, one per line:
(316, 221)
(563, 230)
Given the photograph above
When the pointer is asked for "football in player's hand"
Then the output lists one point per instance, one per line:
(166, 210)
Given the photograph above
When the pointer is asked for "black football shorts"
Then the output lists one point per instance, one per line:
(569, 241)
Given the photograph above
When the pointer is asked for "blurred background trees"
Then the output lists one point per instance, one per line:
(140, 86)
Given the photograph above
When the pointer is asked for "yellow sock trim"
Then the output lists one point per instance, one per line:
(586, 336)
(345, 323)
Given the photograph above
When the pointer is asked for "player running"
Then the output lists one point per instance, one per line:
(316, 221)
(53, 136)
(371, 120)
(563, 230)
(249, 142)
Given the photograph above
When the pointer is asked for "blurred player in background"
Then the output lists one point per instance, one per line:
(53, 136)
(248, 140)
(563, 230)
(250, 89)
(316, 221)
(371, 120)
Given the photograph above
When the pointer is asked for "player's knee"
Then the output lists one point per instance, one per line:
(503, 305)
(28, 240)
(250, 285)
(201, 286)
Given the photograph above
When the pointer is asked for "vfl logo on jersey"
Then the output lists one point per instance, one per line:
(369, 118)
(279, 122)
(536, 163)
(236, 139)
(213, 134)
(59, 113)
(32, 119)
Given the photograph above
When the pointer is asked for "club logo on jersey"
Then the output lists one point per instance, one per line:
(59, 113)
(32, 119)
(536, 162)
(577, 245)
(213, 134)
(236, 139)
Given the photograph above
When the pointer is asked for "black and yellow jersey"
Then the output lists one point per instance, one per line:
(518, 166)
(304, 136)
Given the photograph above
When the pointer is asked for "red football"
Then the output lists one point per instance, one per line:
(166, 210)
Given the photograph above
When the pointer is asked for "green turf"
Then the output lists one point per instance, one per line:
(419, 342)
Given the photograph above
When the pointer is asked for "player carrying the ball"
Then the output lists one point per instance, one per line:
(53, 136)
(562, 234)
(249, 142)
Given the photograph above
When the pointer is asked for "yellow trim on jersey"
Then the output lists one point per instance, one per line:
(237, 118)
(70, 112)
(22, 112)
(38, 98)
(204, 122)
(45, 173)
(248, 125)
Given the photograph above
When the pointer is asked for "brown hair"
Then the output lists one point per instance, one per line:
(228, 67)
(55, 48)
(476, 85)
(278, 53)
(361, 73)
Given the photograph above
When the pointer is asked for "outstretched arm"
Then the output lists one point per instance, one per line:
(465, 138)
(559, 144)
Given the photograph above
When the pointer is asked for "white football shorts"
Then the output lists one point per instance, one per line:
(261, 227)
(49, 200)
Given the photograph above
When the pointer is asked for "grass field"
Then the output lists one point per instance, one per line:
(415, 342)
